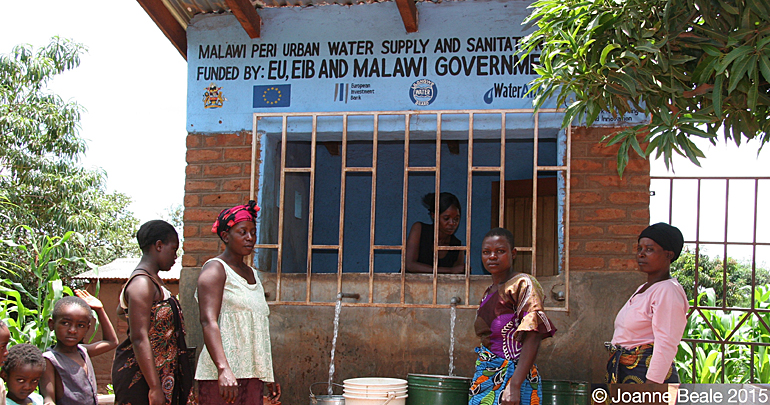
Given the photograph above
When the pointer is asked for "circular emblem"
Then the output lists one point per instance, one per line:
(423, 92)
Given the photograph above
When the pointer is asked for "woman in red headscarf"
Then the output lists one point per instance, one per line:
(236, 359)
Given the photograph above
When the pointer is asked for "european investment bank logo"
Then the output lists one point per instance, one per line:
(272, 95)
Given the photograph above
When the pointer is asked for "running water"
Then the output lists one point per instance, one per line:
(452, 316)
(337, 309)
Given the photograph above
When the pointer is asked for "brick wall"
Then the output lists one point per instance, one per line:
(218, 176)
(607, 213)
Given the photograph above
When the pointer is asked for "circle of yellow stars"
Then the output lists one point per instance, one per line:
(264, 95)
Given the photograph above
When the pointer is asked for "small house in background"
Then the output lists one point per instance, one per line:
(110, 278)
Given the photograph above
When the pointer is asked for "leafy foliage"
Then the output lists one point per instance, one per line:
(42, 181)
(711, 273)
(735, 326)
(26, 311)
(693, 66)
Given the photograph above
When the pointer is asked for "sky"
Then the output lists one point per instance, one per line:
(132, 83)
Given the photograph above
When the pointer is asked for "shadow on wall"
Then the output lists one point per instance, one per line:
(395, 341)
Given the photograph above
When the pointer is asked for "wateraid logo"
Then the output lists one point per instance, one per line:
(509, 90)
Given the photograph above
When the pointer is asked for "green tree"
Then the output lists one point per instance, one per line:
(42, 182)
(736, 287)
(693, 67)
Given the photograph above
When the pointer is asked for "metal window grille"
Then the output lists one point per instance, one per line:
(562, 170)
(734, 341)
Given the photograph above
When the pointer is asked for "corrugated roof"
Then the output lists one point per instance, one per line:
(121, 269)
(185, 10)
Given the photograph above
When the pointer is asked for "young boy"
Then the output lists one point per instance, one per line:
(69, 376)
(5, 337)
(21, 371)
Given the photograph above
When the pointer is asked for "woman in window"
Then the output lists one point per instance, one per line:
(419, 244)
(650, 325)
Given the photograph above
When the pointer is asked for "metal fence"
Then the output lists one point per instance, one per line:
(728, 334)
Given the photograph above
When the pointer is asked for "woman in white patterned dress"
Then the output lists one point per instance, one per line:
(236, 359)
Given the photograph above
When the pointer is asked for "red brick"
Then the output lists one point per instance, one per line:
(191, 200)
(219, 170)
(605, 246)
(613, 180)
(190, 231)
(594, 134)
(217, 200)
(238, 154)
(599, 149)
(586, 230)
(586, 263)
(585, 198)
(189, 261)
(200, 185)
(203, 155)
(626, 230)
(236, 185)
(573, 246)
(193, 140)
(201, 245)
(226, 140)
(623, 264)
(200, 215)
(193, 170)
(641, 216)
(635, 165)
(630, 197)
(574, 215)
(606, 214)
(586, 165)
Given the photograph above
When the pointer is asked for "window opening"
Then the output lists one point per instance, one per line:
(339, 192)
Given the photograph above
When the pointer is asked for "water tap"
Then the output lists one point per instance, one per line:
(342, 295)
(454, 301)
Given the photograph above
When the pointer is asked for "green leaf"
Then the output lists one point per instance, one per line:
(607, 49)
(716, 95)
(741, 51)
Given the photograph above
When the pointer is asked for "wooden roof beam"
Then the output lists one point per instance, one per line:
(408, 11)
(167, 23)
(247, 15)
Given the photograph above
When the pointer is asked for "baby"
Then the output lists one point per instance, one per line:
(5, 337)
(21, 371)
(69, 376)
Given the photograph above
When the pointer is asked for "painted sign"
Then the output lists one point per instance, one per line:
(357, 58)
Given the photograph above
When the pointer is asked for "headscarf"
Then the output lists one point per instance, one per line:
(231, 216)
(668, 237)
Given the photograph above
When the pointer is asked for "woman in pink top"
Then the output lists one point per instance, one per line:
(650, 325)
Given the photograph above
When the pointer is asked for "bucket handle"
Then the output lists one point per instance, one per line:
(312, 396)
(391, 396)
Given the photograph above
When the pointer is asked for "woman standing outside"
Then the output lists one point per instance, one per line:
(419, 244)
(650, 325)
(146, 363)
(236, 359)
(510, 323)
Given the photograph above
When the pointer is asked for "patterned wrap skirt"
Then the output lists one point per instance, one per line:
(127, 379)
(492, 376)
(629, 366)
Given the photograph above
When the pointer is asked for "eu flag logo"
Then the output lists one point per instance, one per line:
(274, 95)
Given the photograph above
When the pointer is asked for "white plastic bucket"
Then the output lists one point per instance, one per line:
(375, 391)
(391, 399)
(360, 392)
